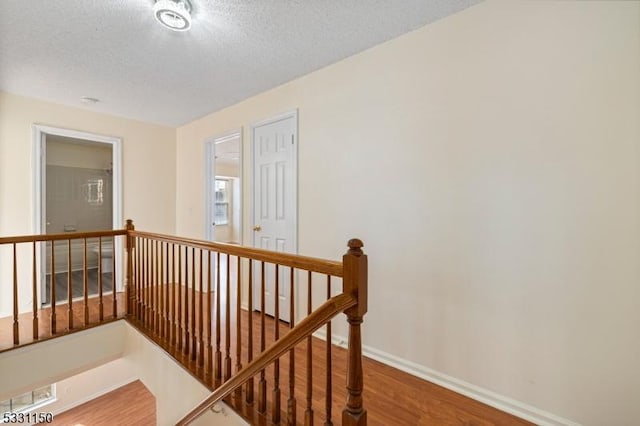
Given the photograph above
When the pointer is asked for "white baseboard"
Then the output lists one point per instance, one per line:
(493, 399)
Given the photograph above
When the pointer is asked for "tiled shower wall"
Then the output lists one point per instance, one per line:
(78, 199)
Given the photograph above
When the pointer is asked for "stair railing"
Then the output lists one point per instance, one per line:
(59, 283)
(305, 328)
(196, 299)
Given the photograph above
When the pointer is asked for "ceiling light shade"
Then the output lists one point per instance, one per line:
(173, 14)
(89, 100)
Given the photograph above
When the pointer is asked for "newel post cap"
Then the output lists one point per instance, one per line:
(355, 246)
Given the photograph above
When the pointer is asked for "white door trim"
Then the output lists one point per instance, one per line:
(39, 176)
(210, 173)
(289, 114)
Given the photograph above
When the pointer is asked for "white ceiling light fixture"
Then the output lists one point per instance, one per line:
(173, 14)
(89, 100)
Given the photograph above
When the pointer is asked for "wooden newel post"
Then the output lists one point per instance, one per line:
(355, 283)
(130, 289)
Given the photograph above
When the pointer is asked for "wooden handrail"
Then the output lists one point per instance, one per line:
(22, 289)
(313, 264)
(305, 328)
(63, 236)
(157, 283)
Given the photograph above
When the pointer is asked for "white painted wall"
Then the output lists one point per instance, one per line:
(491, 164)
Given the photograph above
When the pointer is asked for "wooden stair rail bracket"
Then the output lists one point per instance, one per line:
(355, 284)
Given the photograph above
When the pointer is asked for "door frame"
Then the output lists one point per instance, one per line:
(283, 116)
(39, 132)
(209, 177)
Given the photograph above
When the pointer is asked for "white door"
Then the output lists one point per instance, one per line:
(274, 145)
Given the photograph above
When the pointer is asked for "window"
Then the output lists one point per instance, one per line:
(221, 212)
(28, 400)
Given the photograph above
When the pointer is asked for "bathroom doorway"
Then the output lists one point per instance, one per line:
(77, 190)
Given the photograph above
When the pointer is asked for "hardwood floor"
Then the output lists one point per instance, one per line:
(77, 284)
(129, 405)
(25, 320)
(391, 396)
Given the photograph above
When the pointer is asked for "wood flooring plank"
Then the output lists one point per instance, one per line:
(44, 321)
(129, 405)
(391, 397)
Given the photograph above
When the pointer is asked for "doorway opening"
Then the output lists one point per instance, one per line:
(77, 189)
(224, 188)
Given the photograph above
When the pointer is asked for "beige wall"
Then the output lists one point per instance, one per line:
(177, 392)
(91, 384)
(60, 152)
(148, 153)
(33, 366)
(226, 169)
(92, 362)
(490, 162)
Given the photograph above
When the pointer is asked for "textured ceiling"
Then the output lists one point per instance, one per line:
(113, 50)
